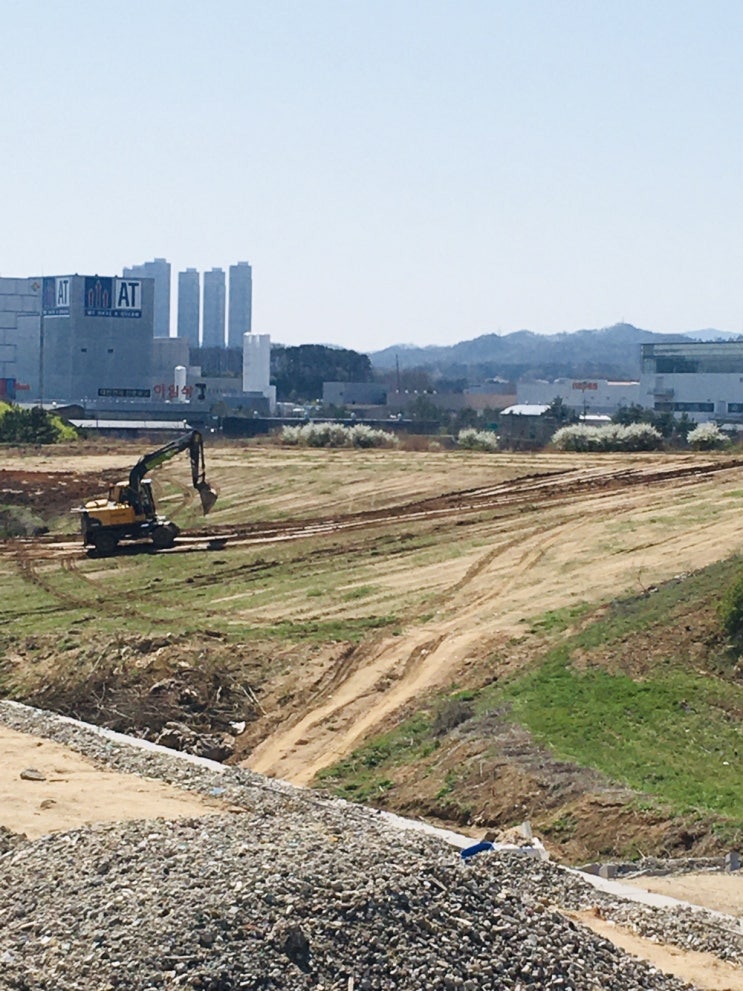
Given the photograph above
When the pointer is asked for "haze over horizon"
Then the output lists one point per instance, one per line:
(421, 173)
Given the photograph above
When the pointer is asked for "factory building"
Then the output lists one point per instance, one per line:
(20, 309)
(96, 337)
(74, 338)
(702, 379)
(581, 395)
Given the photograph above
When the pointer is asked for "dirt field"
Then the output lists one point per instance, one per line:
(466, 551)
(45, 787)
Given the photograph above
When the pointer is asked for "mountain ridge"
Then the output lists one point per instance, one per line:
(608, 352)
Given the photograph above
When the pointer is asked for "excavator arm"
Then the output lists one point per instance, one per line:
(194, 444)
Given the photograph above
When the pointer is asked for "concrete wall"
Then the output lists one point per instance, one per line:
(20, 321)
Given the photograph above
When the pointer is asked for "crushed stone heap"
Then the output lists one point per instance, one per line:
(290, 892)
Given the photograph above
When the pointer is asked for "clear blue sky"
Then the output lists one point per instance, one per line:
(419, 171)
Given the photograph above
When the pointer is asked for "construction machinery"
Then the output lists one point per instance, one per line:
(129, 510)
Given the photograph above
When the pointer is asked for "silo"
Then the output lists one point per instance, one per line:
(256, 363)
(180, 383)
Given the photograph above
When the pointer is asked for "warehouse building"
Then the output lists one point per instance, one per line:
(580, 395)
(75, 338)
(702, 379)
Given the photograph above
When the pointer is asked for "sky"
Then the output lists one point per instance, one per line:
(396, 171)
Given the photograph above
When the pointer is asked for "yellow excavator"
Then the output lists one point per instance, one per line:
(129, 510)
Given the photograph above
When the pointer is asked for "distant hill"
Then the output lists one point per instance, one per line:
(612, 353)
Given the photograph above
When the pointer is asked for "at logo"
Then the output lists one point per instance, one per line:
(127, 294)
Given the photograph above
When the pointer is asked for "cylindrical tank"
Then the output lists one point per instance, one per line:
(180, 383)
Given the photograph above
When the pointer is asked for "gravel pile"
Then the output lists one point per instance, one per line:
(295, 891)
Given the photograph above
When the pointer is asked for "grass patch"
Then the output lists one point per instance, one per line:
(363, 776)
(558, 620)
(672, 735)
(362, 592)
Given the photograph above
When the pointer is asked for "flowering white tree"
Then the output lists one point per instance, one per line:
(707, 437)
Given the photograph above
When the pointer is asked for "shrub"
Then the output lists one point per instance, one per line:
(477, 440)
(730, 610)
(33, 426)
(336, 435)
(707, 437)
(612, 437)
(451, 714)
(19, 521)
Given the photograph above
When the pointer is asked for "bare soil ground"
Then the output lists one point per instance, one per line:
(704, 970)
(45, 787)
(510, 538)
(518, 536)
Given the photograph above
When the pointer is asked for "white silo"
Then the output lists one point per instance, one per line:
(257, 363)
(179, 380)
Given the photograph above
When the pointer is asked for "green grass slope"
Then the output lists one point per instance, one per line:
(647, 696)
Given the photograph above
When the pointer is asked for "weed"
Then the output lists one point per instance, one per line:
(558, 620)
(358, 775)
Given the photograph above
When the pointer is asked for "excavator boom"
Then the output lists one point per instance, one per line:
(193, 443)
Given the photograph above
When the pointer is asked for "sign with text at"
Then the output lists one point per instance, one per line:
(109, 297)
(55, 295)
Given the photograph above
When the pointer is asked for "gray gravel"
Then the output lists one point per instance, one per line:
(298, 891)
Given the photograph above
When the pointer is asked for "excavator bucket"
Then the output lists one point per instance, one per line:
(207, 495)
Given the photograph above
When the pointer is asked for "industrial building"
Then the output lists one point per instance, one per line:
(96, 336)
(20, 309)
(89, 340)
(580, 395)
(702, 379)
(82, 339)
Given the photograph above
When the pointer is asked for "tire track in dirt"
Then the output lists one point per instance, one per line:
(396, 669)
(478, 612)
(531, 493)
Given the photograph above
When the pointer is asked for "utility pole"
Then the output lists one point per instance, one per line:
(41, 349)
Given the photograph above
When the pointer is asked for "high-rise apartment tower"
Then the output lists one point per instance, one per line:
(189, 306)
(240, 304)
(213, 322)
(159, 270)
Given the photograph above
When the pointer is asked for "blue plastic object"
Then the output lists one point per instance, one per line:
(470, 851)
